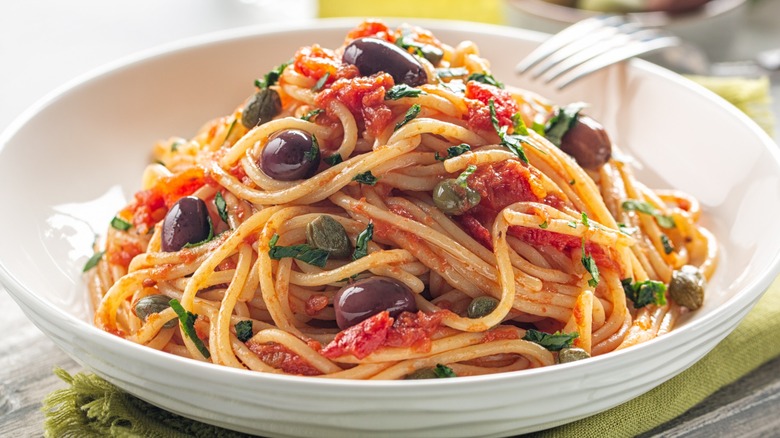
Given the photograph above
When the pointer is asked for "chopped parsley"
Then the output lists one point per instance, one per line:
(644, 292)
(321, 82)
(625, 229)
(272, 77)
(462, 179)
(443, 371)
(452, 73)
(187, 320)
(562, 121)
(590, 266)
(221, 205)
(485, 78)
(667, 244)
(312, 114)
(513, 142)
(366, 178)
(551, 341)
(644, 207)
(244, 330)
(361, 243)
(120, 224)
(333, 159)
(585, 220)
(303, 252)
(572, 224)
(93, 261)
(543, 225)
(411, 113)
(313, 152)
(453, 151)
(402, 90)
(175, 146)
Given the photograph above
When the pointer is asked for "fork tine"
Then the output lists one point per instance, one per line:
(595, 50)
(565, 37)
(615, 56)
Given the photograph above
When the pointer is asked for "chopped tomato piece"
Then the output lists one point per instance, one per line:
(280, 357)
(414, 330)
(371, 28)
(479, 110)
(314, 62)
(361, 339)
(364, 97)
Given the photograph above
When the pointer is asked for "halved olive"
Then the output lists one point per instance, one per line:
(328, 234)
(687, 287)
(365, 298)
(187, 222)
(290, 155)
(587, 141)
(371, 56)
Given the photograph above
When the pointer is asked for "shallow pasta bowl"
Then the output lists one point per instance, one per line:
(71, 161)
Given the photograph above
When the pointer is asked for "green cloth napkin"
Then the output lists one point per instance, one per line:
(92, 407)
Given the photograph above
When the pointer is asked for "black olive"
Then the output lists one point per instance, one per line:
(365, 298)
(372, 56)
(587, 142)
(290, 155)
(186, 222)
(261, 108)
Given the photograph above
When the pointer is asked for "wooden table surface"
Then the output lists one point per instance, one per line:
(747, 408)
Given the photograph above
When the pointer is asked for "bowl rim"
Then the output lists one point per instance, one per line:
(746, 297)
(566, 14)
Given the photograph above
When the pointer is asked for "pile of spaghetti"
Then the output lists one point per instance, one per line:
(387, 210)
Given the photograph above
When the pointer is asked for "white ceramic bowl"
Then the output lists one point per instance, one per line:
(710, 28)
(69, 162)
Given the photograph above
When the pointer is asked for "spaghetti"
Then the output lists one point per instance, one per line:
(390, 210)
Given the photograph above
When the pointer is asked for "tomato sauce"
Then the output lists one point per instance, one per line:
(479, 111)
(364, 97)
(371, 28)
(280, 357)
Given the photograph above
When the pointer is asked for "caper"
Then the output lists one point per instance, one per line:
(153, 304)
(328, 234)
(481, 306)
(687, 287)
(432, 53)
(454, 198)
(261, 108)
(422, 373)
(572, 354)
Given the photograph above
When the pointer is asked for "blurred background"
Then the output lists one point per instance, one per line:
(46, 43)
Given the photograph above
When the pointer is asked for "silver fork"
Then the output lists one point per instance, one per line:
(591, 45)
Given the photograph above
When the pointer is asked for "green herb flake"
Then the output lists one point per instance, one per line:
(120, 224)
(175, 146)
(667, 244)
(303, 252)
(333, 159)
(627, 230)
(366, 178)
(93, 261)
(402, 90)
(552, 341)
(590, 266)
(572, 224)
(321, 82)
(443, 371)
(462, 179)
(314, 151)
(543, 225)
(646, 208)
(538, 127)
(221, 205)
(452, 73)
(411, 113)
(453, 151)
(485, 78)
(361, 243)
(585, 220)
(519, 125)
(562, 121)
(644, 292)
(512, 142)
(272, 77)
(244, 330)
(312, 114)
(187, 320)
